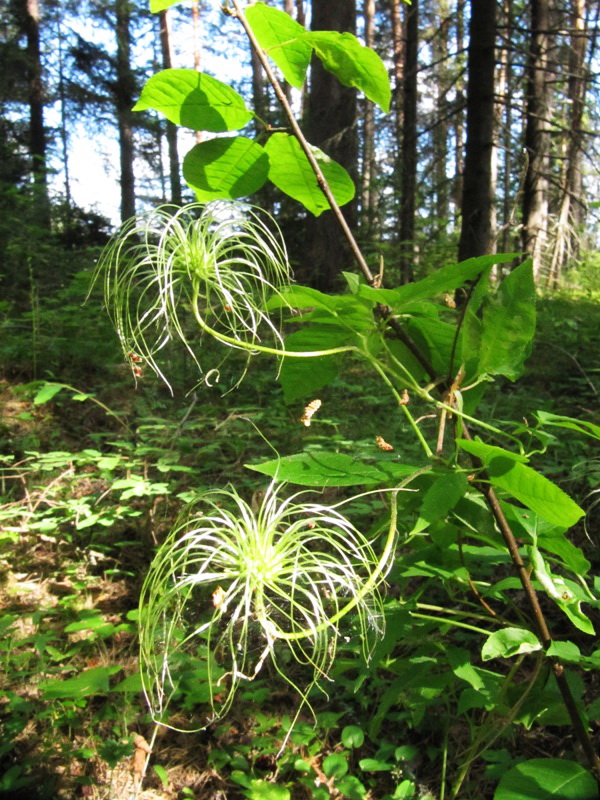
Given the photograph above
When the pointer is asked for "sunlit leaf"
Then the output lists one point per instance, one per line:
(509, 642)
(90, 681)
(442, 280)
(508, 324)
(353, 64)
(331, 469)
(278, 35)
(290, 171)
(535, 491)
(195, 100)
(225, 168)
(546, 779)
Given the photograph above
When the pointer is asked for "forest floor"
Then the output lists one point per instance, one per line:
(84, 499)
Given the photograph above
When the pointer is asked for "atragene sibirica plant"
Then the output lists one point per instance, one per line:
(173, 273)
(236, 585)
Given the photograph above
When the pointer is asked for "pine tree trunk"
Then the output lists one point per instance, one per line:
(37, 134)
(537, 136)
(174, 174)
(572, 203)
(408, 151)
(476, 235)
(124, 92)
(331, 125)
(369, 166)
(440, 131)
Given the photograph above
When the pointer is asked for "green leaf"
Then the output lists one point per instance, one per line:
(278, 35)
(91, 681)
(581, 426)
(509, 642)
(351, 787)
(509, 324)
(485, 452)
(302, 377)
(162, 774)
(546, 778)
(264, 790)
(352, 736)
(132, 683)
(194, 100)
(460, 661)
(331, 469)
(335, 765)
(534, 491)
(440, 498)
(566, 651)
(445, 279)
(353, 64)
(228, 167)
(46, 393)
(291, 172)
(375, 765)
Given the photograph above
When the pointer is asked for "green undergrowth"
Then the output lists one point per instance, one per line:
(92, 482)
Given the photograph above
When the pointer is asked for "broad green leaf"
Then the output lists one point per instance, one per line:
(265, 790)
(225, 168)
(440, 498)
(534, 491)
(485, 452)
(302, 377)
(302, 297)
(352, 736)
(46, 393)
(291, 172)
(460, 662)
(566, 651)
(331, 469)
(132, 683)
(194, 100)
(353, 64)
(335, 765)
(509, 324)
(90, 681)
(436, 338)
(349, 786)
(547, 779)
(509, 642)
(278, 35)
(445, 279)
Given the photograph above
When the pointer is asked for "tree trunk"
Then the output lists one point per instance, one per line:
(476, 236)
(369, 165)
(124, 93)
(537, 136)
(331, 125)
(37, 134)
(506, 122)
(571, 203)
(458, 121)
(174, 174)
(408, 151)
(439, 46)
